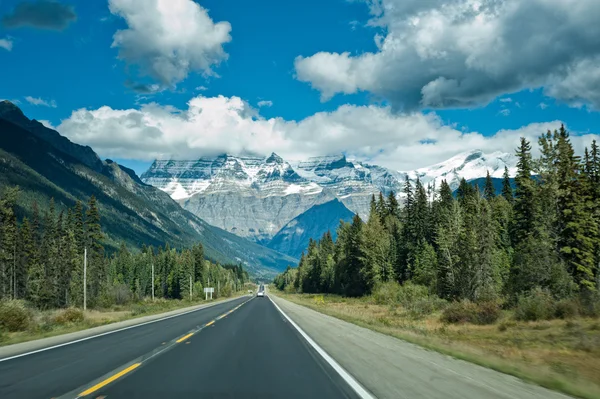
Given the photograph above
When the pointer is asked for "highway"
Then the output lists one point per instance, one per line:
(243, 348)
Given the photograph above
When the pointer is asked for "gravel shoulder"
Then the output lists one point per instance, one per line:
(395, 369)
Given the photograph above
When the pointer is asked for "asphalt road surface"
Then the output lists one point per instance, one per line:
(240, 349)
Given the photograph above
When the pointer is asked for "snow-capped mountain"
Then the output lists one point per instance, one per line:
(255, 197)
(468, 165)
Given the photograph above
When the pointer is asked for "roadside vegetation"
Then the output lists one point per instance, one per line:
(559, 353)
(509, 281)
(42, 273)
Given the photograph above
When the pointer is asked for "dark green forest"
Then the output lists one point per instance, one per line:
(42, 261)
(473, 244)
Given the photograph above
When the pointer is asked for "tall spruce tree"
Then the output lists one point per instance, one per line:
(489, 192)
(95, 250)
(507, 191)
(578, 230)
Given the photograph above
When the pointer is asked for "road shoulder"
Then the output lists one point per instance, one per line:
(392, 368)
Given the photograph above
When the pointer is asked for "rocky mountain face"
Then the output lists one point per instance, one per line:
(255, 197)
(293, 238)
(46, 165)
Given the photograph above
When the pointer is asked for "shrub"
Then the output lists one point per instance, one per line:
(488, 312)
(536, 305)
(410, 293)
(14, 316)
(70, 315)
(139, 309)
(469, 312)
(460, 312)
(590, 303)
(426, 306)
(566, 309)
(386, 293)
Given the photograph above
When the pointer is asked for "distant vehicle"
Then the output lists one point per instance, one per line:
(261, 291)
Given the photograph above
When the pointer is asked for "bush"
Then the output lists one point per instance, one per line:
(469, 312)
(590, 303)
(460, 312)
(410, 293)
(536, 305)
(426, 306)
(386, 293)
(14, 316)
(566, 309)
(70, 315)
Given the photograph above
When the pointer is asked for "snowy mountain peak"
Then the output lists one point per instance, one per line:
(468, 165)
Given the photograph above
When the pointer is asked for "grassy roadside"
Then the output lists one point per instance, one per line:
(562, 355)
(50, 323)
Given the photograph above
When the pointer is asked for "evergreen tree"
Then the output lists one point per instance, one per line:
(448, 237)
(446, 198)
(489, 191)
(507, 191)
(382, 210)
(524, 201)
(393, 208)
(351, 283)
(376, 265)
(578, 230)
(96, 273)
(25, 256)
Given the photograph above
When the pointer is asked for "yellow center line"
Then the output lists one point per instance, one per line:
(208, 324)
(110, 379)
(184, 338)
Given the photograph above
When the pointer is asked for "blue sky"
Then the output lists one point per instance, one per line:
(73, 67)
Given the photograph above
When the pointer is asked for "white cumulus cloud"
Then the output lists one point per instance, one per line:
(168, 39)
(214, 125)
(464, 53)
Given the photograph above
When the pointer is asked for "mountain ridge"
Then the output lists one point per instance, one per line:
(268, 192)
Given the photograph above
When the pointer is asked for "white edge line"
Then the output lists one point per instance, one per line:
(355, 385)
(110, 332)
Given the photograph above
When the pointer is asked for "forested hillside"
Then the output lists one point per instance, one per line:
(42, 261)
(543, 236)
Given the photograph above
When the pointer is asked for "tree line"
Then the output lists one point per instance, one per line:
(473, 244)
(42, 261)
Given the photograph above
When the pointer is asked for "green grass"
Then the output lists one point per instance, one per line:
(556, 354)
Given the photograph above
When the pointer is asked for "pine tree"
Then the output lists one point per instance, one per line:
(578, 230)
(382, 210)
(420, 215)
(393, 208)
(446, 198)
(448, 237)
(8, 242)
(524, 201)
(96, 273)
(25, 256)
(376, 265)
(507, 191)
(489, 191)
(327, 253)
(351, 283)
(198, 254)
